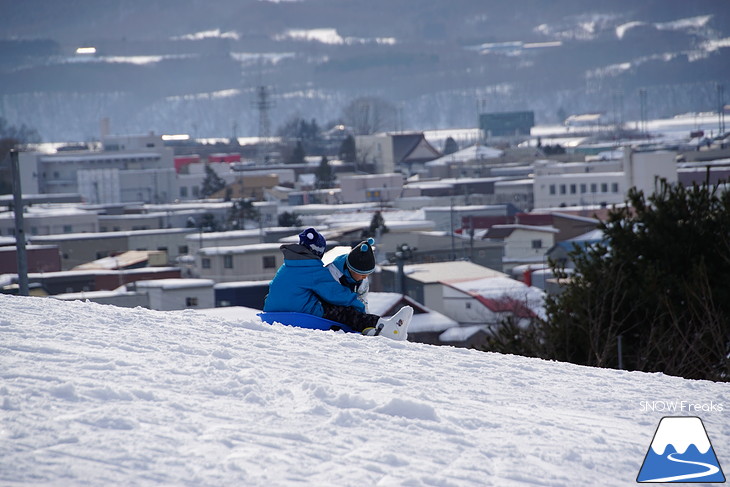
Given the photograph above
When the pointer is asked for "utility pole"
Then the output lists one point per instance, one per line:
(19, 226)
(720, 109)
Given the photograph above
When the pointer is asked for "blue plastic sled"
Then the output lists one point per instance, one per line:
(303, 320)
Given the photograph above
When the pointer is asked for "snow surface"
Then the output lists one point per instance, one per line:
(93, 394)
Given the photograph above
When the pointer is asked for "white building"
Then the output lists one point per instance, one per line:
(371, 187)
(523, 244)
(172, 294)
(51, 220)
(600, 183)
(132, 168)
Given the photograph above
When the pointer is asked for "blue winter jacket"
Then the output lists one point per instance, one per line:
(302, 281)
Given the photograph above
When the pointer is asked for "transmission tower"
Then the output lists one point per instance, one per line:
(263, 104)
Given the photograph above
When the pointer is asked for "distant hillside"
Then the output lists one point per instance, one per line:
(192, 66)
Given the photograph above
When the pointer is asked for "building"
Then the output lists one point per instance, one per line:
(173, 294)
(126, 169)
(158, 294)
(523, 244)
(506, 123)
(39, 258)
(371, 187)
(425, 282)
(600, 183)
(388, 153)
(236, 263)
(51, 220)
(80, 248)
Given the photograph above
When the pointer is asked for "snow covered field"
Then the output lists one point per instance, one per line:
(99, 395)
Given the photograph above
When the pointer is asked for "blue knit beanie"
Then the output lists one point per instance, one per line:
(361, 258)
(314, 241)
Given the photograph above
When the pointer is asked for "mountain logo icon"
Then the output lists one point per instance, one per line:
(680, 452)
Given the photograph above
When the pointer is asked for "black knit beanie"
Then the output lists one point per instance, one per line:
(361, 258)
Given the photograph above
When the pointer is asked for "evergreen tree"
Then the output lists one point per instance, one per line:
(658, 284)
(297, 155)
(325, 176)
(450, 146)
(208, 223)
(348, 151)
(12, 137)
(241, 210)
(377, 226)
(212, 183)
(288, 219)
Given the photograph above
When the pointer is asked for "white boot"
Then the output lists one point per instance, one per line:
(395, 327)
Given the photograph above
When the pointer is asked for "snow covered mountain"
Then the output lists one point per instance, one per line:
(99, 395)
(187, 66)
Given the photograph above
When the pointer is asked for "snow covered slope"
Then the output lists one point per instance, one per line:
(99, 395)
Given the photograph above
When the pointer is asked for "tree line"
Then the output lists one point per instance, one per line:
(653, 295)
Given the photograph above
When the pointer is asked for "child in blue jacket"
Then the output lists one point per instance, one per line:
(302, 284)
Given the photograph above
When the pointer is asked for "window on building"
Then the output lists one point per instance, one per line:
(562, 189)
(572, 189)
(537, 244)
(191, 301)
(205, 263)
(467, 305)
(582, 188)
(594, 188)
(604, 187)
(68, 229)
(552, 189)
(183, 191)
(269, 262)
(196, 191)
(614, 187)
(228, 261)
(182, 249)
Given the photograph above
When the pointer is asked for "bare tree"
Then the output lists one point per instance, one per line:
(368, 115)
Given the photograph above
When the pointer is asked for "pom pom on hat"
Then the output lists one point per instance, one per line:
(361, 258)
(314, 241)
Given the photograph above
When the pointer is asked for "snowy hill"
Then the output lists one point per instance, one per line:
(99, 395)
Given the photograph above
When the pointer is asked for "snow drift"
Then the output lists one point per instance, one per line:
(99, 395)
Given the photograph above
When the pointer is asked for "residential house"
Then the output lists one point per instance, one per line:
(467, 293)
(523, 244)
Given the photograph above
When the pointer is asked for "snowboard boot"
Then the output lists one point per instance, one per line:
(395, 327)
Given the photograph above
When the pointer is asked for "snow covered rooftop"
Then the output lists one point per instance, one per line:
(447, 272)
